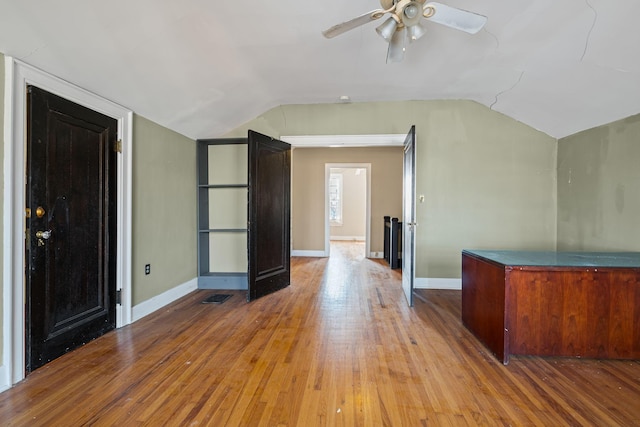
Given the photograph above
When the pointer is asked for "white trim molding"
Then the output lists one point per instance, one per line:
(348, 238)
(156, 303)
(311, 254)
(390, 140)
(17, 76)
(5, 374)
(435, 283)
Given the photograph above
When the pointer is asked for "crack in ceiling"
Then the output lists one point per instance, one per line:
(506, 90)
(593, 24)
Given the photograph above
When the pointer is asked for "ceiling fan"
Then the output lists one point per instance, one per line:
(405, 22)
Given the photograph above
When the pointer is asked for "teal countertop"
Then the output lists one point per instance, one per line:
(560, 259)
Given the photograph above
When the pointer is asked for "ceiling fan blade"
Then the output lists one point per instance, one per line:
(343, 27)
(459, 19)
(395, 53)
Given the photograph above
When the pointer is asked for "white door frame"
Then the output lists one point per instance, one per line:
(327, 225)
(372, 140)
(17, 76)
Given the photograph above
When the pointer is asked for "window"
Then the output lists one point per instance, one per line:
(335, 199)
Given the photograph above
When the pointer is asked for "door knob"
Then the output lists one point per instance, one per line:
(43, 234)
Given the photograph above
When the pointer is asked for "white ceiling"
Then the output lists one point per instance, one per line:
(202, 67)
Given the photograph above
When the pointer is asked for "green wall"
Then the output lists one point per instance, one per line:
(164, 209)
(488, 181)
(599, 188)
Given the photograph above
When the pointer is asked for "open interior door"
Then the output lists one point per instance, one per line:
(408, 215)
(269, 215)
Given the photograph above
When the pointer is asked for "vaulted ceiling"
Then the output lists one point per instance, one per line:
(202, 67)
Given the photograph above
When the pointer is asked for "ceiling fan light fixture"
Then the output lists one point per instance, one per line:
(405, 22)
(415, 32)
(387, 29)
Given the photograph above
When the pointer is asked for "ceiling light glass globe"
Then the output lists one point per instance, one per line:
(411, 11)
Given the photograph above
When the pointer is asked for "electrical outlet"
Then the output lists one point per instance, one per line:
(147, 269)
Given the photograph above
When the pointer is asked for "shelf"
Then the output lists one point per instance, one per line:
(223, 186)
(209, 274)
(224, 230)
(222, 189)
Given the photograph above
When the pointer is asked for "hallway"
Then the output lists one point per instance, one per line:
(347, 250)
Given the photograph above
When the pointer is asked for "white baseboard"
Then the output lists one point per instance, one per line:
(152, 304)
(5, 378)
(314, 254)
(376, 255)
(435, 283)
(348, 238)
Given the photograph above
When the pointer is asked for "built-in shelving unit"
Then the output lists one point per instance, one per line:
(222, 213)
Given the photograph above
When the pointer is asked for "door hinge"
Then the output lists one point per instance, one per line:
(118, 146)
(119, 297)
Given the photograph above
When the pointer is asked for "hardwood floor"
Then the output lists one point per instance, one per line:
(339, 347)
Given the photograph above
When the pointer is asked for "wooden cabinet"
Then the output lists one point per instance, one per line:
(553, 304)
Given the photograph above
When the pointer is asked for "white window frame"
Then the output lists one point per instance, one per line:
(339, 180)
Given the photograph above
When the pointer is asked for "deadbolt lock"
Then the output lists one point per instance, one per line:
(40, 212)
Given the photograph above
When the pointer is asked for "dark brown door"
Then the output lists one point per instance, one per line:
(269, 215)
(71, 226)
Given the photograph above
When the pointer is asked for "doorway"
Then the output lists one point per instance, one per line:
(70, 245)
(348, 204)
(18, 76)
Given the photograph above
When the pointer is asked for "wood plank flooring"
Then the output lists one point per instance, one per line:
(339, 347)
